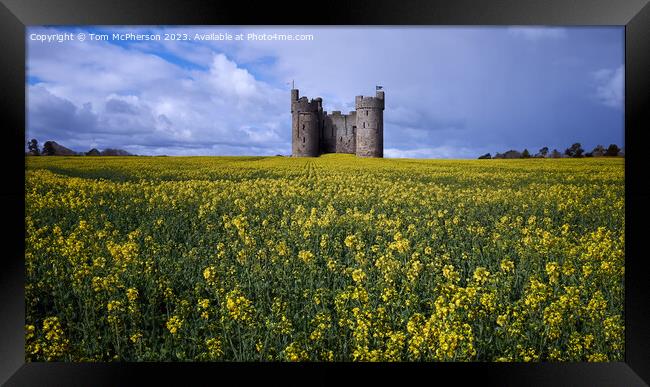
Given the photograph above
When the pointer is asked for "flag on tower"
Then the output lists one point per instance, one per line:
(379, 87)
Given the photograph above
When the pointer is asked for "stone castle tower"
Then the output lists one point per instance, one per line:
(360, 132)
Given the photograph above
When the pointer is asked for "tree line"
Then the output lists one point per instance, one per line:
(51, 148)
(574, 151)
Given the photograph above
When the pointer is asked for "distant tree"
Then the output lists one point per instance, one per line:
(598, 151)
(543, 152)
(612, 150)
(556, 154)
(485, 156)
(93, 152)
(512, 154)
(32, 145)
(574, 151)
(525, 154)
(589, 154)
(48, 148)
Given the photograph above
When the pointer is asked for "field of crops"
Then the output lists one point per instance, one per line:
(327, 259)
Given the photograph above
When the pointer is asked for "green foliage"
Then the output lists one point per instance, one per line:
(32, 145)
(575, 150)
(48, 149)
(612, 150)
(543, 152)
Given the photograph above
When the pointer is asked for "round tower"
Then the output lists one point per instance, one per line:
(305, 120)
(370, 125)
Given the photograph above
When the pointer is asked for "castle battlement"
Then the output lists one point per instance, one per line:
(304, 105)
(376, 102)
(315, 132)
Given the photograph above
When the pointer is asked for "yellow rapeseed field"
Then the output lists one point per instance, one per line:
(328, 259)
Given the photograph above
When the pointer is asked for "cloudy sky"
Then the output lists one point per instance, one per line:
(451, 92)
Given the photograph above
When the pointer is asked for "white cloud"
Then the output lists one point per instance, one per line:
(229, 80)
(610, 86)
(440, 152)
(538, 33)
(112, 96)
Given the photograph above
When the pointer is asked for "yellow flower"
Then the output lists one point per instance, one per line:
(174, 324)
(132, 294)
(553, 271)
(306, 256)
(481, 275)
(507, 265)
(358, 275)
(136, 337)
(597, 357)
(324, 240)
(350, 241)
(203, 303)
(414, 270)
(281, 248)
(29, 331)
(209, 274)
(239, 307)
(450, 273)
(293, 352)
(55, 343)
(213, 346)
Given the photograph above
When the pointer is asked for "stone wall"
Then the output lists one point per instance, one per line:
(306, 121)
(307, 140)
(346, 133)
(370, 125)
(328, 134)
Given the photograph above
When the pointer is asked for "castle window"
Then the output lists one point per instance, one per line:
(364, 124)
(366, 112)
(303, 140)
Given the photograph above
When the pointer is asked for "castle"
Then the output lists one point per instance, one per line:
(360, 132)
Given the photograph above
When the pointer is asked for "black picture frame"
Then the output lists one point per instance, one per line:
(15, 15)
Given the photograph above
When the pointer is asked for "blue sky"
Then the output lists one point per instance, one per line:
(451, 92)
